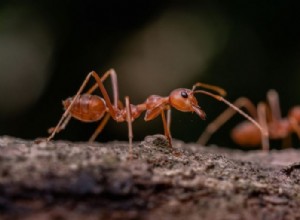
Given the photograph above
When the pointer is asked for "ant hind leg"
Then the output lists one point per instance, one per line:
(100, 127)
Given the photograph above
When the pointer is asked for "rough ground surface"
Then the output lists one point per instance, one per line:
(64, 180)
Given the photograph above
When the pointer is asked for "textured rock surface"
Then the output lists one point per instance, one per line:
(65, 180)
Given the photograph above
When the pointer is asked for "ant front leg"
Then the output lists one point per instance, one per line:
(166, 124)
(156, 105)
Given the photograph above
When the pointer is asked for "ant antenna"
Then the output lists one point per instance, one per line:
(220, 98)
(217, 89)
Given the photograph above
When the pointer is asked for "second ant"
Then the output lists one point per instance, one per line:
(268, 115)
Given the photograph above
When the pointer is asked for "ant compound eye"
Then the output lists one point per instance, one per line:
(184, 94)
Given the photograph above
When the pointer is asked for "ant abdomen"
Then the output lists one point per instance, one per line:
(246, 134)
(86, 107)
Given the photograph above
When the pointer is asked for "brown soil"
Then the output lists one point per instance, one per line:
(65, 180)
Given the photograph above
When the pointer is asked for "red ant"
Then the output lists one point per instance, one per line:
(90, 108)
(268, 115)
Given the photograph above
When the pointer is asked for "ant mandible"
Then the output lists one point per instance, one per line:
(268, 115)
(91, 108)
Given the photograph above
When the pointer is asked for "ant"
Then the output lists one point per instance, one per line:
(91, 108)
(268, 115)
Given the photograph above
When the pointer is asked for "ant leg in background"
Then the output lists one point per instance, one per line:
(262, 119)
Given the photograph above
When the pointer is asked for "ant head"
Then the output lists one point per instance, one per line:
(185, 101)
(295, 113)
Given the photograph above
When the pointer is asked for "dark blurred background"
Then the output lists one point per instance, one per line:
(48, 47)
